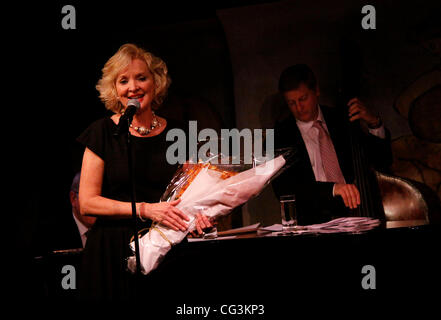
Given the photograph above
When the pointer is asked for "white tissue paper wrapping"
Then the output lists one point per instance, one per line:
(211, 195)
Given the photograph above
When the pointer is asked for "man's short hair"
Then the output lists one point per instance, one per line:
(292, 77)
(75, 186)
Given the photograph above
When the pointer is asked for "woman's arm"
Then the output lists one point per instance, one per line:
(92, 203)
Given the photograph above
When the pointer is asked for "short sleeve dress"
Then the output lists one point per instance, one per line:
(104, 272)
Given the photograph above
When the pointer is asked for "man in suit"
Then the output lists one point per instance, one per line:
(65, 230)
(321, 176)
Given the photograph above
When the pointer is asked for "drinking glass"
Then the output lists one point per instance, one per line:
(288, 212)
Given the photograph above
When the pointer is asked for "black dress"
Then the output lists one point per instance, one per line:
(103, 273)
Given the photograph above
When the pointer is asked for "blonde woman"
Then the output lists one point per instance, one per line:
(132, 73)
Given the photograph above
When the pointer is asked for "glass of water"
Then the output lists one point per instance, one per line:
(289, 214)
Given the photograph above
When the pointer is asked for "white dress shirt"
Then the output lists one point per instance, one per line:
(310, 136)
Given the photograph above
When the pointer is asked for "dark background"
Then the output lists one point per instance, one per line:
(223, 56)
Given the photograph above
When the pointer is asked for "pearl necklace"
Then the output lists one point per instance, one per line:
(145, 131)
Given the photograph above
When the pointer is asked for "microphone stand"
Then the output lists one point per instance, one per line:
(125, 128)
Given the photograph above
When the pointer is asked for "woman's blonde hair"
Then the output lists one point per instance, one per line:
(121, 60)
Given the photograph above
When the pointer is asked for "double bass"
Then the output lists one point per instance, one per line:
(365, 177)
(383, 195)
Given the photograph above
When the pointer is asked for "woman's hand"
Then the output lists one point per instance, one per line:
(165, 213)
(202, 223)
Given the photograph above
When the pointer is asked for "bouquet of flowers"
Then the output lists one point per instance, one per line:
(211, 189)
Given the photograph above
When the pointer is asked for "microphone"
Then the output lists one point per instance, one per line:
(132, 107)
(126, 119)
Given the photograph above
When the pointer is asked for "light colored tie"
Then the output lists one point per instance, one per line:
(329, 156)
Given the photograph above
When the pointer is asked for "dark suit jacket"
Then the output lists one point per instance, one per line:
(314, 199)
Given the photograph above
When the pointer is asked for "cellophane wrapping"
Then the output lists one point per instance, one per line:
(211, 189)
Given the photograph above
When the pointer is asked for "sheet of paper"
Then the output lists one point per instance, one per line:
(218, 238)
(346, 224)
(273, 228)
(245, 229)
